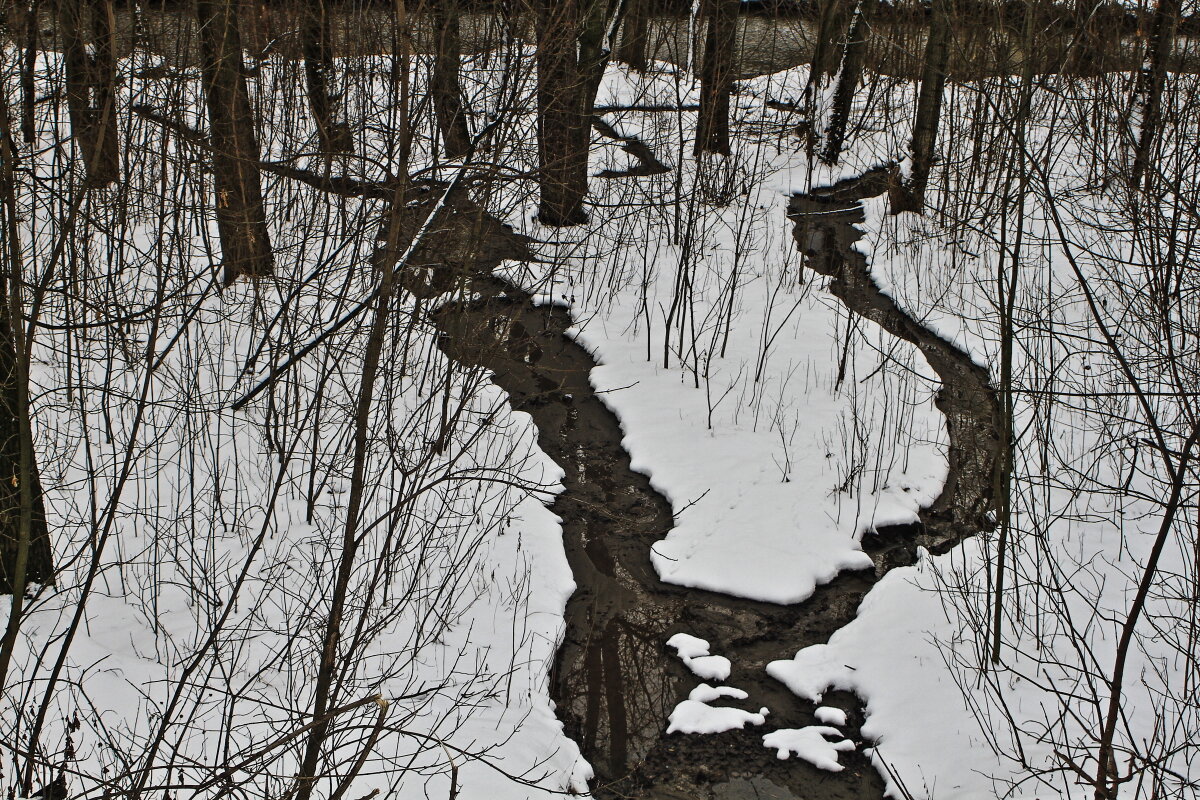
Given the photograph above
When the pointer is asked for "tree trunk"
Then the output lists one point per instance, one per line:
(254, 26)
(91, 85)
(1151, 81)
(562, 184)
(241, 219)
(831, 21)
(716, 77)
(908, 194)
(634, 34)
(15, 432)
(25, 553)
(447, 97)
(848, 77)
(28, 61)
(333, 135)
(594, 54)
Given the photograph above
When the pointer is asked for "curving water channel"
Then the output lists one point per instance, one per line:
(614, 680)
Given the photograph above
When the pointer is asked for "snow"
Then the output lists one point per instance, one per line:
(695, 715)
(810, 744)
(218, 555)
(693, 652)
(887, 656)
(688, 646)
(830, 715)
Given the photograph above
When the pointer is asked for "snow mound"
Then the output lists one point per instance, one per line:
(830, 715)
(811, 745)
(695, 715)
(693, 651)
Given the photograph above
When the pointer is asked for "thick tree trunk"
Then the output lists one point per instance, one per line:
(1151, 81)
(831, 21)
(716, 77)
(634, 34)
(562, 183)
(241, 219)
(594, 54)
(16, 440)
(849, 75)
(333, 134)
(25, 553)
(254, 26)
(91, 85)
(908, 194)
(447, 96)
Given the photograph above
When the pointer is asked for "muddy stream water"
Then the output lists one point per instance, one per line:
(615, 681)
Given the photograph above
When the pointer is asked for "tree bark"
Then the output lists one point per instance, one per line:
(28, 61)
(25, 553)
(1151, 81)
(634, 34)
(908, 194)
(849, 75)
(333, 134)
(91, 85)
(831, 21)
(562, 172)
(241, 218)
(716, 77)
(447, 96)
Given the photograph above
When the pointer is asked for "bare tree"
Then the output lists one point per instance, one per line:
(91, 72)
(1151, 80)
(241, 217)
(444, 84)
(635, 34)
(562, 164)
(25, 553)
(315, 33)
(908, 194)
(850, 72)
(716, 76)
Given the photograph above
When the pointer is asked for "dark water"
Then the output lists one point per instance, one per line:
(614, 680)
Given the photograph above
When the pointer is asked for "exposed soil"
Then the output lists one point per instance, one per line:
(615, 681)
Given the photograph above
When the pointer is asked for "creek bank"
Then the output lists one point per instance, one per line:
(826, 231)
(614, 680)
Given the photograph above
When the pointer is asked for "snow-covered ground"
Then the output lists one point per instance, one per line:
(779, 427)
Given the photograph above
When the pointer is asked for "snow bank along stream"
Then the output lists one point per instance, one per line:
(615, 680)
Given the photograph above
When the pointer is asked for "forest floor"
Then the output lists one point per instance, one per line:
(693, 500)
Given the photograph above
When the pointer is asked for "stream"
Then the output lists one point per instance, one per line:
(614, 680)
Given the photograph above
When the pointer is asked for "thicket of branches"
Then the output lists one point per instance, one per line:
(223, 411)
